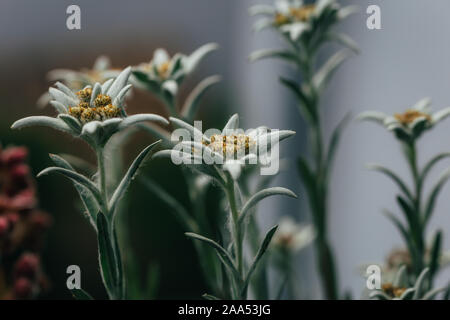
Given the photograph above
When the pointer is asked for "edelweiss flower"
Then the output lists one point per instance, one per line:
(410, 124)
(93, 113)
(292, 236)
(400, 289)
(165, 73)
(77, 80)
(229, 149)
(294, 17)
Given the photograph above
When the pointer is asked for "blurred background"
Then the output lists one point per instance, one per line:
(401, 63)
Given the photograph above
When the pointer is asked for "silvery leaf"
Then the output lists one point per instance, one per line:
(59, 107)
(102, 63)
(119, 83)
(62, 87)
(160, 56)
(72, 122)
(170, 86)
(191, 62)
(344, 40)
(62, 97)
(234, 167)
(401, 278)
(295, 30)
(273, 53)
(136, 118)
(322, 77)
(261, 9)
(420, 285)
(72, 175)
(106, 85)
(378, 117)
(423, 105)
(343, 13)
(194, 131)
(190, 106)
(262, 194)
(122, 187)
(440, 115)
(42, 121)
(232, 124)
(95, 92)
(118, 101)
(262, 24)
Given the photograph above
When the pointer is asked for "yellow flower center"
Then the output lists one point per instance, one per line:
(409, 116)
(281, 19)
(103, 109)
(392, 291)
(304, 13)
(230, 145)
(163, 69)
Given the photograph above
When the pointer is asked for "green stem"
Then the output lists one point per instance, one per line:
(110, 224)
(102, 179)
(318, 200)
(236, 232)
(417, 231)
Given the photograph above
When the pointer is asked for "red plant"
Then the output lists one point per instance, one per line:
(22, 227)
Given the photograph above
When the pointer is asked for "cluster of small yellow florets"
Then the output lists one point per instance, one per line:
(409, 116)
(230, 145)
(102, 110)
(393, 292)
(301, 14)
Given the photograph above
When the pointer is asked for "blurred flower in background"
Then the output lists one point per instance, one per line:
(22, 227)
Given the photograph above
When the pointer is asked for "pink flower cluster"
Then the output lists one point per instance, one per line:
(22, 227)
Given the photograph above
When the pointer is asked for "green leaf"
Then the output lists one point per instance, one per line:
(401, 278)
(403, 232)
(108, 266)
(259, 255)
(180, 212)
(394, 177)
(432, 294)
(322, 77)
(226, 258)
(119, 264)
(344, 40)
(421, 284)
(152, 281)
(310, 183)
(191, 104)
(274, 53)
(80, 294)
(86, 196)
(434, 193)
(435, 253)
(430, 164)
(210, 297)
(72, 175)
(122, 187)
(260, 195)
(303, 98)
(334, 142)
(379, 295)
(411, 215)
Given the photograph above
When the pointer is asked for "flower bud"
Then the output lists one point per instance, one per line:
(4, 226)
(13, 156)
(23, 288)
(27, 266)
